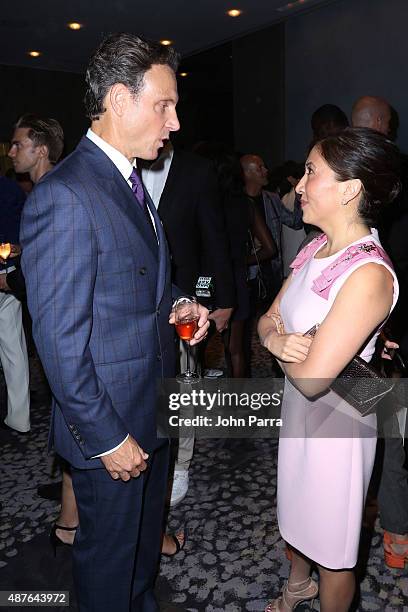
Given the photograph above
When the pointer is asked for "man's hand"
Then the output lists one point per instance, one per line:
(127, 462)
(15, 250)
(3, 283)
(221, 317)
(203, 324)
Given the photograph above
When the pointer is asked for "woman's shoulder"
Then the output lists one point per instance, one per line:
(371, 273)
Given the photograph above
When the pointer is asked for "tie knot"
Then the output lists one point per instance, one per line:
(137, 186)
(135, 179)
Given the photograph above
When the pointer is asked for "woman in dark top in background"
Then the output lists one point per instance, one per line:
(245, 227)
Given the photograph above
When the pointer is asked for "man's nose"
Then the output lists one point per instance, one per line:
(12, 152)
(173, 123)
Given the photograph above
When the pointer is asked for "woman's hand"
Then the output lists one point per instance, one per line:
(388, 350)
(289, 348)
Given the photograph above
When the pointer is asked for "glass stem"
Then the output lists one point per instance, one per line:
(188, 371)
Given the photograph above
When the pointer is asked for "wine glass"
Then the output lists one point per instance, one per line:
(5, 249)
(186, 324)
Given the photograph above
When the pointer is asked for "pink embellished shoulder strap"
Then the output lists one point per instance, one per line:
(354, 253)
(307, 253)
(365, 250)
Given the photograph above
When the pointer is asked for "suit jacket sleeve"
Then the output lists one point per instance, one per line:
(293, 219)
(59, 263)
(216, 257)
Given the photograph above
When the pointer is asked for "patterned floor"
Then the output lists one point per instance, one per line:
(234, 558)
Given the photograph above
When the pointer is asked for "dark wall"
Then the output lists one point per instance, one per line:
(259, 106)
(206, 98)
(49, 94)
(339, 52)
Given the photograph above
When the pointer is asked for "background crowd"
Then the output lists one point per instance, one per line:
(227, 216)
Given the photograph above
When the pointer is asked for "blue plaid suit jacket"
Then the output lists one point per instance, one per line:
(99, 294)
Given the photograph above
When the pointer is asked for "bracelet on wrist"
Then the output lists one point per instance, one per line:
(277, 319)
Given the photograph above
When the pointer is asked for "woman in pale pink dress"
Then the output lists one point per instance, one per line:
(343, 281)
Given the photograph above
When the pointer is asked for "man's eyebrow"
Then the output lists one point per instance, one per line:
(173, 100)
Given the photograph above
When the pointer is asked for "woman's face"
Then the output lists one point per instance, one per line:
(321, 193)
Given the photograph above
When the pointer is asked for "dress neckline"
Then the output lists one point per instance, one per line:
(329, 257)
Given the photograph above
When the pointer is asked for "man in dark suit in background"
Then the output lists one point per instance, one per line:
(101, 320)
(184, 189)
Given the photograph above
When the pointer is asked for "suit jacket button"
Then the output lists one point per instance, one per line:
(142, 271)
(158, 311)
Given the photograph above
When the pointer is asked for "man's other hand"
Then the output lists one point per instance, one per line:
(221, 317)
(126, 462)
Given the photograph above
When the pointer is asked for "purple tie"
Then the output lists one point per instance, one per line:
(137, 188)
(138, 192)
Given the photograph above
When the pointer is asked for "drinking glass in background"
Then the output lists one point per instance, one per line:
(186, 323)
(5, 249)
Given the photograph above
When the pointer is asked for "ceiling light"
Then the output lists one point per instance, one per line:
(291, 5)
(234, 12)
(166, 42)
(183, 74)
(34, 53)
(74, 25)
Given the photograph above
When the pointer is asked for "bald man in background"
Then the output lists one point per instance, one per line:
(372, 112)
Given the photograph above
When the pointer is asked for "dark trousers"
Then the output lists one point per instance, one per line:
(117, 547)
(393, 491)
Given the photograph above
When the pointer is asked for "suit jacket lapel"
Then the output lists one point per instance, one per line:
(112, 182)
(163, 256)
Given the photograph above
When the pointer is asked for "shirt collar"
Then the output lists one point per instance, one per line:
(121, 162)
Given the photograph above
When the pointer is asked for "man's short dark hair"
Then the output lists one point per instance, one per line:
(46, 132)
(328, 120)
(122, 58)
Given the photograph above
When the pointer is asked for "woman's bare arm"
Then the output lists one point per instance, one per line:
(286, 347)
(361, 305)
(261, 232)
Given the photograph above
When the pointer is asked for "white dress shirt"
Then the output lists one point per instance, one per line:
(121, 162)
(155, 177)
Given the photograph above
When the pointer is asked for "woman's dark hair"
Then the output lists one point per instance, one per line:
(122, 58)
(367, 155)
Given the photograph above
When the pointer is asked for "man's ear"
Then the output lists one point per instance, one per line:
(117, 98)
(43, 149)
(351, 189)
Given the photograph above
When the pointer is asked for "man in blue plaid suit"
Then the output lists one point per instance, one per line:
(97, 272)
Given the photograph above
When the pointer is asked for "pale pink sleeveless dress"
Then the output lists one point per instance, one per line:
(326, 450)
